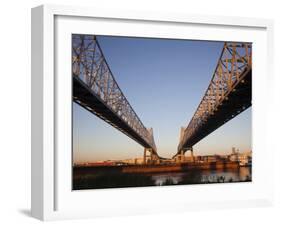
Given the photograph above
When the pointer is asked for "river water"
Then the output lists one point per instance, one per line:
(89, 179)
(203, 176)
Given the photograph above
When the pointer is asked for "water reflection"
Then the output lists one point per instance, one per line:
(91, 180)
(203, 176)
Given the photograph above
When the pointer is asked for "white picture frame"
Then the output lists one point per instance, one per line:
(52, 197)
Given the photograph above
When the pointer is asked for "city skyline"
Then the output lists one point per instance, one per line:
(164, 81)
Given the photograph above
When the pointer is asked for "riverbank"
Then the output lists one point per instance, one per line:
(179, 167)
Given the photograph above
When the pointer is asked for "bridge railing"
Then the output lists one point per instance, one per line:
(235, 60)
(89, 64)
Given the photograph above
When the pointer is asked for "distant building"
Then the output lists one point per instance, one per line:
(135, 161)
(129, 161)
(188, 159)
(234, 155)
(138, 161)
(245, 159)
(208, 158)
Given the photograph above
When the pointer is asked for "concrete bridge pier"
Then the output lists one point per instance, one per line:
(180, 157)
(147, 155)
(154, 159)
(150, 157)
(191, 154)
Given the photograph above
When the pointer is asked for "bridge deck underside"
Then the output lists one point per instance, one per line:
(83, 96)
(239, 99)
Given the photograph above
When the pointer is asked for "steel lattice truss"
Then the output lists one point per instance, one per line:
(233, 65)
(90, 66)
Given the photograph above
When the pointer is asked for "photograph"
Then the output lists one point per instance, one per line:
(152, 111)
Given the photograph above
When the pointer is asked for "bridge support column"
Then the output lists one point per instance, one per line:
(144, 156)
(154, 158)
(191, 153)
(182, 156)
(177, 158)
(147, 155)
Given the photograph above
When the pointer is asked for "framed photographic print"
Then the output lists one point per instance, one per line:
(135, 113)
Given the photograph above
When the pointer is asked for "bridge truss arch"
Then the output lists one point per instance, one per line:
(228, 94)
(96, 90)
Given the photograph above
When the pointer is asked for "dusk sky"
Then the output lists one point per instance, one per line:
(164, 81)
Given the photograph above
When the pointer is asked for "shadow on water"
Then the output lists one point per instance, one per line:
(117, 180)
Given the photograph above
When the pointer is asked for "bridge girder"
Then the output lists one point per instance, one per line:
(96, 90)
(228, 94)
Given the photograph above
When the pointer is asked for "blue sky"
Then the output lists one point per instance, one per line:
(164, 81)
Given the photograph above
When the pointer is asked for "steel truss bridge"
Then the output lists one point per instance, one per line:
(228, 94)
(96, 90)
